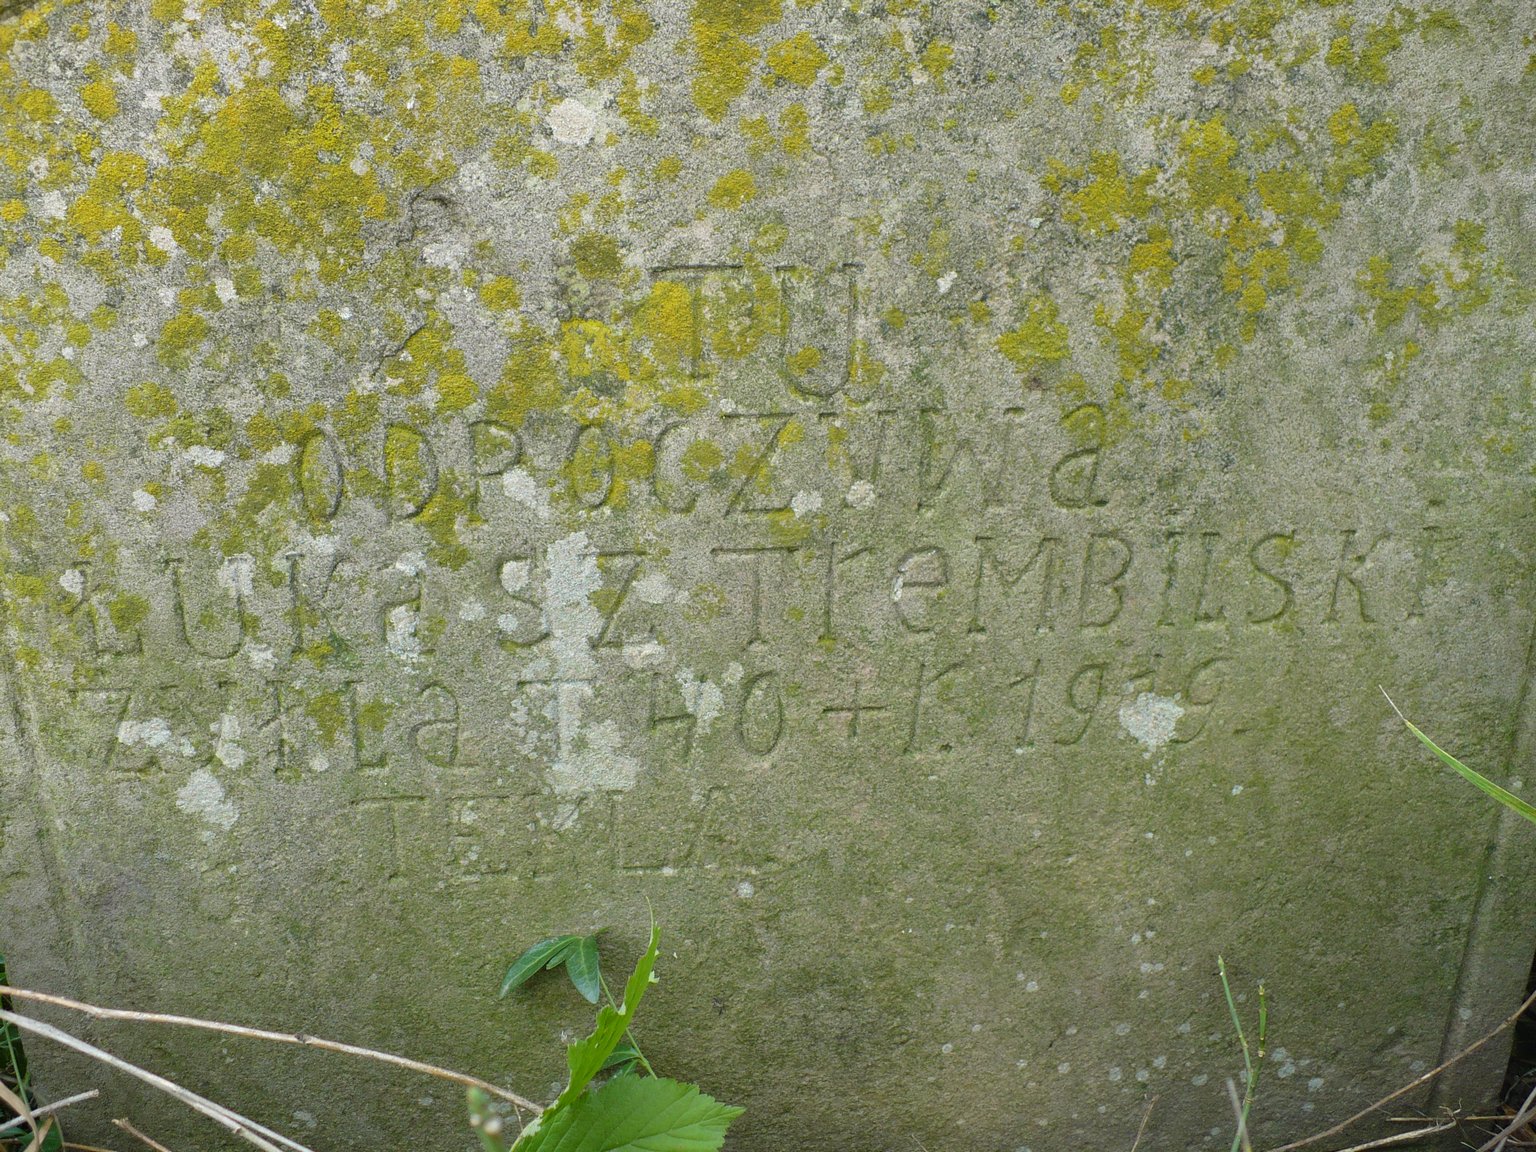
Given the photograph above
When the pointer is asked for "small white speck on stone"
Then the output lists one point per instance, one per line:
(946, 282)
(515, 574)
(804, 504)
(471, 610)
(1237, 789)
(861, 494)
(1064, 1067)
(203, 796)
(745, 890)
(72, 580)
(411, 563)
(1314, 1084)
(1151, 719)
(207, 457)
(152, 733)
(236, 574)
(53, 206)
(572, 122)
(520, 485)
(163, 238)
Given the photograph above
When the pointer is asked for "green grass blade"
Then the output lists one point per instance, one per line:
(1502, 795)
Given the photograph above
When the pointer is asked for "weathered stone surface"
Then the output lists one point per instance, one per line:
(924, 494)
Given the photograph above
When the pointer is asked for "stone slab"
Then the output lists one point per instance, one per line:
(924, 495)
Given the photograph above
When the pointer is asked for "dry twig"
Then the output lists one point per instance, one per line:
(1401, 1137)
(137, 1135)
(19, 1122)
(1497, 1141)
(1509, 1022)
(238, 1125)
(1141, 1129)
(99, 1013)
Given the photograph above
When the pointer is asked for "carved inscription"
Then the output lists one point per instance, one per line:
(477, 634)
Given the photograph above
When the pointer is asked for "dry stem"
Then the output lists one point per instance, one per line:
(20, 1122)
(264, 1138)
(99, 1013)
(1411, 1085)
(136, 1134)
(1141, 1129)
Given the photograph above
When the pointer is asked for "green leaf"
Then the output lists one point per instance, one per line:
(625, 1053)
(582, 965)
(1508, 799)
(635, 1114)
(587, 1057)
(545, 954)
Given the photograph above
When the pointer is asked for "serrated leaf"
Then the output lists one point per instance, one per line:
(625, 1053)
(635, 1114)
(582, 965)
(544, 955)
(585, 1058)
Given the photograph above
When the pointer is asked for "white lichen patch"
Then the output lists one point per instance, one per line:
(236, 573)
(804, 504)
(152, 733)
(703, 699)
(72, 580)
(204, 456)
(144, 501)
(861, 494)
(519, 485)
(572, 122)
(203, 796)
(226, 741)
(1151, 719)
(574, 621)
(655, 588)
(400, 634)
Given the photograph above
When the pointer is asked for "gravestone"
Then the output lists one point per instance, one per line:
(922, 495)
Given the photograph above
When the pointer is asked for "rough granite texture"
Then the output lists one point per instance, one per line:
(923, 493)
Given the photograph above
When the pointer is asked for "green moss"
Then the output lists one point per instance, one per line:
(797, 60)
(180, 338)
(150, 401)
(733, 190)
(724, 56)
(1041, 338)
(596, 256)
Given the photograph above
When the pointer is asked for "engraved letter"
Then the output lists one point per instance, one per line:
(319, 477)
(760, 719)
(1073, 477)
(1281, 544)
(1103, 576)
(926, 568)
(1356, 562)
(410, 471)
